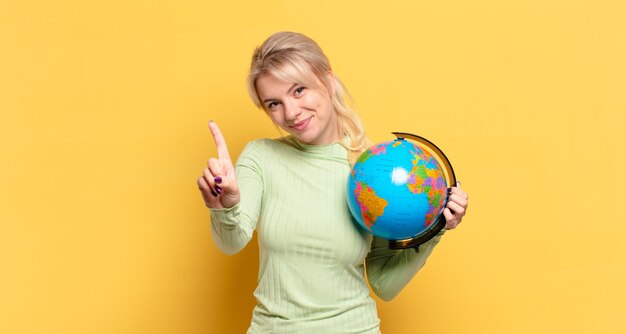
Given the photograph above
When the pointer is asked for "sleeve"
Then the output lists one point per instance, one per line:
(389, 270)
(232, 228)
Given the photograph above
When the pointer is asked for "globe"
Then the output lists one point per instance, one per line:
(397, 191)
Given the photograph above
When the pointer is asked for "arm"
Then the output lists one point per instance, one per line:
(232, 228)
(389, 271)
(234, 212)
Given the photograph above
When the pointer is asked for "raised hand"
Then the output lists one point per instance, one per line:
(456, 207)
(218, 184)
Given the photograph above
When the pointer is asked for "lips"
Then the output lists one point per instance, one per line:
(301, 125)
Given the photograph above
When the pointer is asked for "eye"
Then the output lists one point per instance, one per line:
(299, 90)
(272, 105)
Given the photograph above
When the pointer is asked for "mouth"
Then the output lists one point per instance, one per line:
(301, 125)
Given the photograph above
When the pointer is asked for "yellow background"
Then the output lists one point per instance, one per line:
(103, 115)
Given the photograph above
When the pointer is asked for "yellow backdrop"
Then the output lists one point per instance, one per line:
(103, 115)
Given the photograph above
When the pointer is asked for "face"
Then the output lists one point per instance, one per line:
(305, 112)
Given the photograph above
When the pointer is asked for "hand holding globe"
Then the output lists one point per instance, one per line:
(456, 207)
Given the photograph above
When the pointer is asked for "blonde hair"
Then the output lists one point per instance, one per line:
(294, 57)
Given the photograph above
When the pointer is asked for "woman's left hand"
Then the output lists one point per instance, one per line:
(456, 207)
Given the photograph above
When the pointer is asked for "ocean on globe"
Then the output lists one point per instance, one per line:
(396, 190)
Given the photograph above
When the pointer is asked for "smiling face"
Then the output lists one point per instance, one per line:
(305, 112)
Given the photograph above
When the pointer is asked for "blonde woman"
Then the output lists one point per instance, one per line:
(291, 191)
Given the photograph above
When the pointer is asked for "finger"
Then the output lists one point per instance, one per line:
(450, 219)
(459, 191)
(458, 210)
(202, 185)
(208, 178)
(206, 191)
(456, 198)
(220, 175)
(217, 168)
(220, 142)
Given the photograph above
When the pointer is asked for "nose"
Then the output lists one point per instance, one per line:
(292, 110)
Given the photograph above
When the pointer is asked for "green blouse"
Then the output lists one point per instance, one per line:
(312, 253)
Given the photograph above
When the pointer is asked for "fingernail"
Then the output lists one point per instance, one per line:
(217, 179)
(213, 193)
(218, 189)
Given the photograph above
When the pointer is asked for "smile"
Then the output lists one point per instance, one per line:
(301, 125)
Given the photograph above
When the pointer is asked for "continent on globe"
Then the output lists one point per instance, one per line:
(374, 150)
(372, 206)
(426, 177)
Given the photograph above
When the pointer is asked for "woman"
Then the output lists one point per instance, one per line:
(291, 190)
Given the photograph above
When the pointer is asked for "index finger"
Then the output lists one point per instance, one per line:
(220, 143)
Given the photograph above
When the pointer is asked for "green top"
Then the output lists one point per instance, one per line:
(311, 272)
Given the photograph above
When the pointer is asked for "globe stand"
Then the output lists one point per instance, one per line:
(440, 222)
(414, 242)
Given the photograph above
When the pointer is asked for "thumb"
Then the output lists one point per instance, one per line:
(227, 181)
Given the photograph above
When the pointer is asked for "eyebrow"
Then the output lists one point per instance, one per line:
(289, 90)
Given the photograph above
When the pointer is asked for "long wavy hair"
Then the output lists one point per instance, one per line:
(294, 57)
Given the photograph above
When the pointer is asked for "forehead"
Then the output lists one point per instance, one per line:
(269, 86)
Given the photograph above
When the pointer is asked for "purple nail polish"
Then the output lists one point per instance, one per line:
(213, 193)
(218, 190)
(217, 179)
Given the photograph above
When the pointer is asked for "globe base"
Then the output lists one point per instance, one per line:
(421, 238)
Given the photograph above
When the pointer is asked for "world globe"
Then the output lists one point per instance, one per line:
(397, 190)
